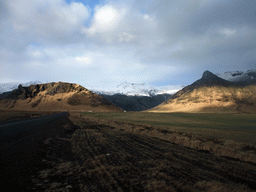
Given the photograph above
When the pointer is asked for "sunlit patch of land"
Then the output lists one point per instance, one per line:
(230, 134)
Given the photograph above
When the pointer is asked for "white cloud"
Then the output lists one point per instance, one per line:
(46, 19)
(105, 19)
(146, 16)
(126, 37)
(83, 60)
(35, 53)
(227, 32)
(121, 23)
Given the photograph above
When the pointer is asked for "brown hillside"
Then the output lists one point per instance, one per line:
(211, 94)
(55, 97)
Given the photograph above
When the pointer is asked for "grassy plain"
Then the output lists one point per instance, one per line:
(236, 127)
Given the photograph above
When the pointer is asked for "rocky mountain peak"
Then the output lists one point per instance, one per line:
(210, 79)
(208, 75)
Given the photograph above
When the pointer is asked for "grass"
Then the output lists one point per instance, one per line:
(240, 128)
(191, 120)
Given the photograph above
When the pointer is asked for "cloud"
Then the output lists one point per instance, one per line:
(121, 40)
(227, 32)
(118, 23)
(83, 60)
(46, 21)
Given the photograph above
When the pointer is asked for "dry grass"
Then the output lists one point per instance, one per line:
(224, 135)
(108, 159)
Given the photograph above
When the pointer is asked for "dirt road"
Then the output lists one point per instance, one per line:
(100, 158)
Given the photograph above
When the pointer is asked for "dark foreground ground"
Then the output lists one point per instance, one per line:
(93, 157)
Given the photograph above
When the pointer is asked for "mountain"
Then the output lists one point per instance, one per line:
(240, 77)
(136, 103)
(208, 79)
(133, 89)
(212, 94)
(137, 97)
(53, 96)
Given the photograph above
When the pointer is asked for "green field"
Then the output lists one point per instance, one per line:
(237, 127)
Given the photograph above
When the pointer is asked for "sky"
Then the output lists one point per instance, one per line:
(103, 43)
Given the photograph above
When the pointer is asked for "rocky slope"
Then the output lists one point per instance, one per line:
(211, 94)
(54, 97)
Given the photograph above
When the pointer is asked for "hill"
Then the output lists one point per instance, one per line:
(211, 94)
(58, 96)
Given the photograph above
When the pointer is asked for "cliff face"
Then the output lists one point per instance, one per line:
(211, 94)
(55, 96)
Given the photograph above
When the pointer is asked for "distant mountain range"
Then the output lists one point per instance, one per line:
(128, 96)
(137, 97)
(237, 90)
(129, 89)
(141, 89)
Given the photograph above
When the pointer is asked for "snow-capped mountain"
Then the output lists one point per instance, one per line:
(248, 77)
(142, 89)
(5, 87)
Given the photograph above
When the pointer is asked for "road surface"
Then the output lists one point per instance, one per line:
(21, 146)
